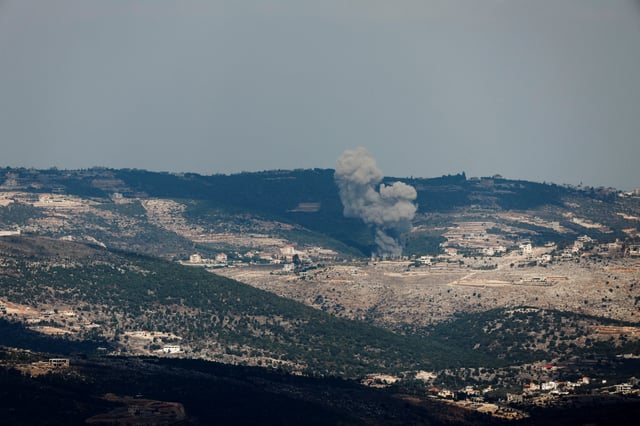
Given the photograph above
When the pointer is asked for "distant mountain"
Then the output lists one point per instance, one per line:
(116, 207)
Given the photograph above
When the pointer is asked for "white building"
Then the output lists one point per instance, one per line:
(545, 258)
(488, 251)
(446, 394)
(515, 398)
(288, 250)
(59, 362)
(526, 249)
(584, 380)
(289, 267)
(634, 250)
(172, 349)
(623, 388)
(585, 239)
(577, 246)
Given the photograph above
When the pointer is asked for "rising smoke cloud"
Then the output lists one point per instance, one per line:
(389, 209)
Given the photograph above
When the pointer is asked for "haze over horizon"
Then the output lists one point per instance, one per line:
(529, 89)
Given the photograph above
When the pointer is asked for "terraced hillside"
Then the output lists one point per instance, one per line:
(173, 215)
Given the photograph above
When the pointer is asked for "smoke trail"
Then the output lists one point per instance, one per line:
(388, 208)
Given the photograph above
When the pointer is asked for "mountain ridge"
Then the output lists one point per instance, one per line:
(117, 206)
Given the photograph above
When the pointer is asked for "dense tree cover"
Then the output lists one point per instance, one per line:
(519, 335)
(423, 245)
(136, 292)
(16, 335)
(17, 213)
(211, 393)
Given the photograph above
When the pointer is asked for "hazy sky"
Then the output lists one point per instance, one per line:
(544, 90)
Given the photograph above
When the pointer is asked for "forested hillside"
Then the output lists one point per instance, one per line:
(305, 202)
(116, 294)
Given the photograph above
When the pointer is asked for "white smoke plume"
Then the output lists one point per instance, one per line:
(388, 208)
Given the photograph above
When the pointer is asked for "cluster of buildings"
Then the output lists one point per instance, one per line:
(549, 391)
(585, 245)
(288, 256)
(544, 393)
(528, 253)
(468, 393)
(533, 390)
(629, 194)
(196, 259)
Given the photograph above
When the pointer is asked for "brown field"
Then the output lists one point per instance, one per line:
(395, 293)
